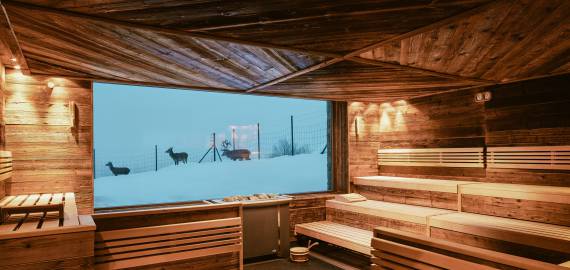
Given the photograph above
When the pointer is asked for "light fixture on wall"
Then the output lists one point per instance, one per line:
(50, 84)
(18, 67)
(13, 59)
(482, 97)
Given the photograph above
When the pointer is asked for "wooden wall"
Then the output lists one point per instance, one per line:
(52, 152)
(527, 113)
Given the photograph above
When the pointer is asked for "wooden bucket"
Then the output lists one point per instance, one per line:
(301, 254)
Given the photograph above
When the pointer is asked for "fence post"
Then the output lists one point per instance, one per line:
(258, 143)
(214, 146)
(234, 138)
(292, 139)
(155, 158)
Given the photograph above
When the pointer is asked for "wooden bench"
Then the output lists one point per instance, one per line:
(534, 240)
(187, 236)
(5, 165)
(527, 202)
(416, 191)
(341, 235)
(369, 214)
(399, 250)
(45, 239)
(529, 157)
(433, 157)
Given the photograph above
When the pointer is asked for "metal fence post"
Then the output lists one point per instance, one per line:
(94, 168)
(155, 158)
(292, 138)
(258, 143)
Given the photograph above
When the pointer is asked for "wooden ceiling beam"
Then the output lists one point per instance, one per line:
(162, 30)
(11, 41)
(351, 55)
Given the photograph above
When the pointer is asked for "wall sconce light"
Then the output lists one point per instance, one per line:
(482, 97)
(13, 59)
(50, 85)
(18, 67)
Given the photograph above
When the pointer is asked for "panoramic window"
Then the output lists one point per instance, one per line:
(157, 145)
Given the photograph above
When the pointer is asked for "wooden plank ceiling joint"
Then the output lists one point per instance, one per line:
(353, 56)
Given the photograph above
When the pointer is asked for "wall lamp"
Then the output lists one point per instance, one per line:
(483, 97)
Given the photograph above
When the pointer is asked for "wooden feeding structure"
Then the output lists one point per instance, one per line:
(448, 139)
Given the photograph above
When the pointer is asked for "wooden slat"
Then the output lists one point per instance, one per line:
(70, 217)
(52, 218)
(33, 220)
(437, 185)
(172, 257)
(432, 157)
(529, 157)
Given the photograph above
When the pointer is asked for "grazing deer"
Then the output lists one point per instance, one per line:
(177, 157)
(240, 154)
(118, 170)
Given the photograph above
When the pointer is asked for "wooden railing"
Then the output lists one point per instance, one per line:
(432, 157)
(529, 157)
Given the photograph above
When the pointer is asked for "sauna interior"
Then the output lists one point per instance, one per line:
(441, 134)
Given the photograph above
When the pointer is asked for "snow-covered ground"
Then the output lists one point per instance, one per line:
(193, 181)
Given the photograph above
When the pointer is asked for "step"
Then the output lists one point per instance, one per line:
(534, 234)
(341, 235)
(545, 204)
(370, 214)
(435, 185)
(435, 193)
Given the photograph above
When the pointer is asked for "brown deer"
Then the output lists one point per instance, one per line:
(118, 170)
(238, 154)
(177, 157)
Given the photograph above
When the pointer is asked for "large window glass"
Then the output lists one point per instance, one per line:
(157, 145)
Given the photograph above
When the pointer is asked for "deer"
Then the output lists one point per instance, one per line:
(238, 154)
(118, 170)
(177, 157)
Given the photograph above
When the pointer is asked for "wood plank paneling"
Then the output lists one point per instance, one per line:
(510, 40)
(526, 113)
(48, 155)
(306, 209)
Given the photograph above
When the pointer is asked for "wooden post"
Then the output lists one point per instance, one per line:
(258, 143)
(292, 138)
(155, 158)
(94, 175)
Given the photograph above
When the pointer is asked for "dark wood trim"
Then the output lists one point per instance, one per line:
(338, 150)
(7, 31)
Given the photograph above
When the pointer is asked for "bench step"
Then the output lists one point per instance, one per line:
(540, 235)
(341, 235)
(436, 185)
(402, 212)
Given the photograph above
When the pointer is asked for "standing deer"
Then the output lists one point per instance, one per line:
(177, 157)
(118, 170)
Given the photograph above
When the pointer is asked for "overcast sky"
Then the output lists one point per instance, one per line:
(128, 119)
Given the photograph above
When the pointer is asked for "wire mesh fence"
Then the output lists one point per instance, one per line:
(305, 134)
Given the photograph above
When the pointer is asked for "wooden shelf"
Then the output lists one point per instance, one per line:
(403, 212)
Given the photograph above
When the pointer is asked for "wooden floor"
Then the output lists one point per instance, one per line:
(284, 264)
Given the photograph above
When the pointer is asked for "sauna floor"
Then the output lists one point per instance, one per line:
(285, 264)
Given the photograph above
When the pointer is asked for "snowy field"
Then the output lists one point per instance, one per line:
(193, 181)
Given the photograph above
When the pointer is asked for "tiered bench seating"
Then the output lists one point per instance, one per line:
(416, 191)
(44, 239)
(341, 235)
(370, 214)
(523, 238)
(527, 202)
(398, 250)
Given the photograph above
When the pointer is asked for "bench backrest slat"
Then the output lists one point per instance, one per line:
(432, 157)
(529, 157)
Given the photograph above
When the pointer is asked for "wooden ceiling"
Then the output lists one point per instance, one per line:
(339, 50)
